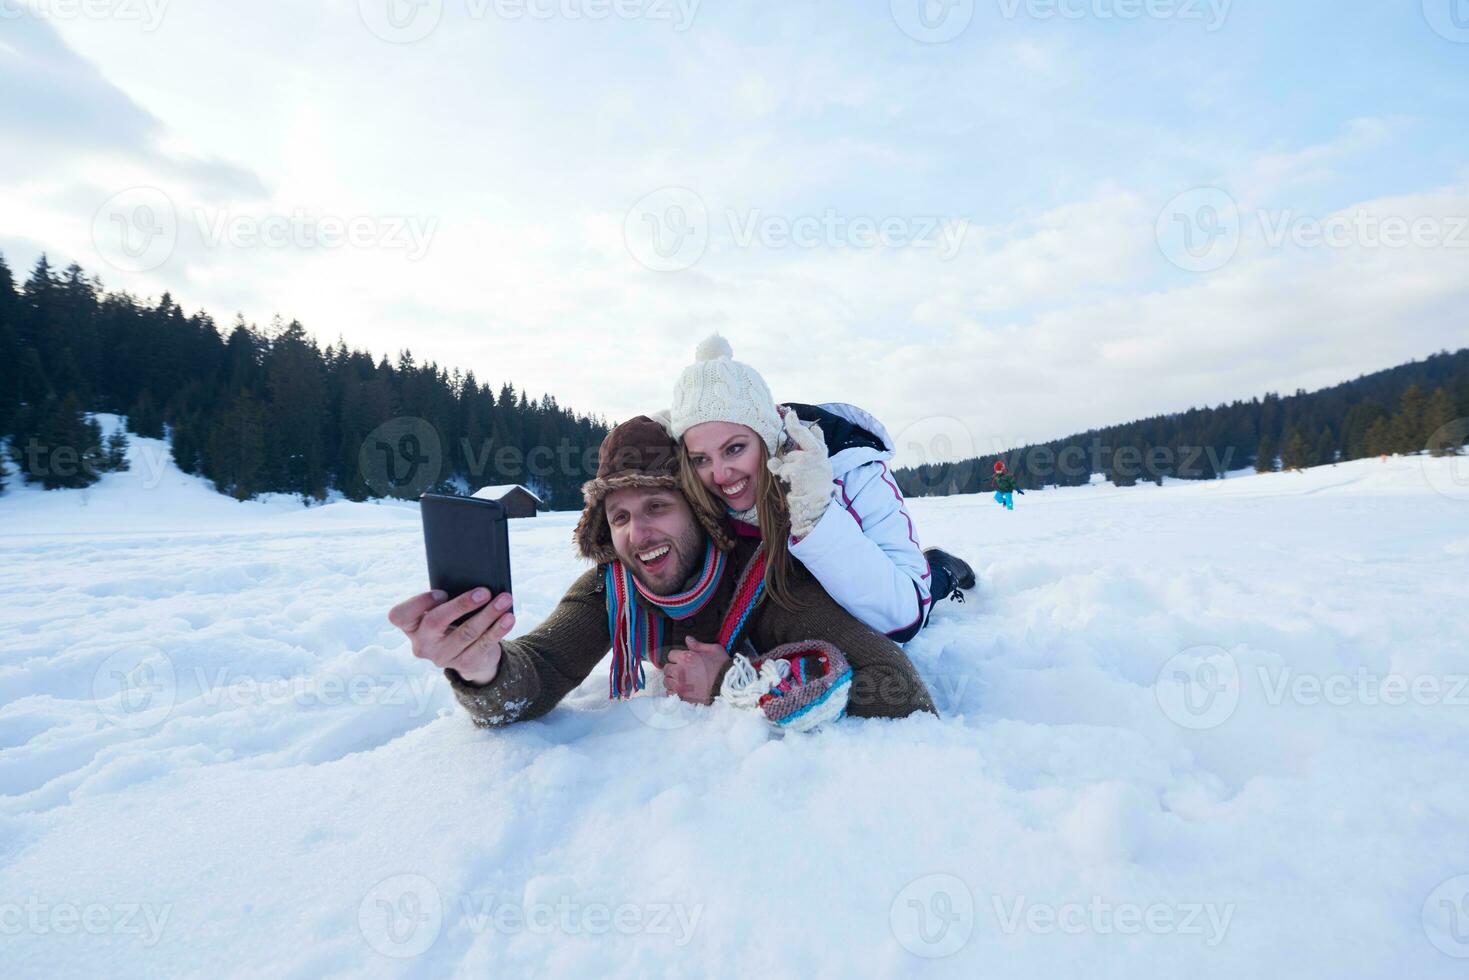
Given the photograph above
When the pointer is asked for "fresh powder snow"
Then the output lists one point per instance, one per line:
(1205, 729)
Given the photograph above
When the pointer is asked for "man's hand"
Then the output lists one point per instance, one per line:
(690, 673)
(473, 647)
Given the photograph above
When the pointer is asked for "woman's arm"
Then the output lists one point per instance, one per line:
(865, 552)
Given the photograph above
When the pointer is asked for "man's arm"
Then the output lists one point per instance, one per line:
(540, 668)
(503, 682)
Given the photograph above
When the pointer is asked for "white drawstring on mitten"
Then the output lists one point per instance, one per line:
(743, 686)
(807, 473)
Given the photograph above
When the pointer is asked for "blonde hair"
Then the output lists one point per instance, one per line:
(775, 519)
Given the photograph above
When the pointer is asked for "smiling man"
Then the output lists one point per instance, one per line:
(671, 588)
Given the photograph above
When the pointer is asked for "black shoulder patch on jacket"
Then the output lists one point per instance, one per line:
(840, 434)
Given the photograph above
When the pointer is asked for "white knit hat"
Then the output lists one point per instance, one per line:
(717, 388)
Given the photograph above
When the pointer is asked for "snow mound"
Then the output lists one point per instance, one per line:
(1207, 728)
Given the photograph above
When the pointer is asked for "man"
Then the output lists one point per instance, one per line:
(668, 587)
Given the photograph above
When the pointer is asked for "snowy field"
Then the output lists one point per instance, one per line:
(1213, 730)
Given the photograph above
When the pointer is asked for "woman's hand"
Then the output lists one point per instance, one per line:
(806, 472)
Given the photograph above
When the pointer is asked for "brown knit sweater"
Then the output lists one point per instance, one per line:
(540, 668)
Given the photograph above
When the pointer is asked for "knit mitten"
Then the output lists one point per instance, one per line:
(806, 471)
(798, 686)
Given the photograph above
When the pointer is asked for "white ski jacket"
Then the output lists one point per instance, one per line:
(864, 549)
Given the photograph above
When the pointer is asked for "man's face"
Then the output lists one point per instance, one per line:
(654, 534)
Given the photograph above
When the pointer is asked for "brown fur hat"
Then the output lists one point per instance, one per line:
(638, 453)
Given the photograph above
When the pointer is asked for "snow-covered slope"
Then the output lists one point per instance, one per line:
(1219, 730)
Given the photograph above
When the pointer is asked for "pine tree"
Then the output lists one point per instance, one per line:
(64, 450)
(1294, 454)
(1439, 416)
(237, 449)
(116, 456)
(1379, 438)
(1324, 449)
(1407, 425)
(1265, 455)
(144, 419)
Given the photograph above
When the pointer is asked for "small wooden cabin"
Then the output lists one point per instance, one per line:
(516, 499)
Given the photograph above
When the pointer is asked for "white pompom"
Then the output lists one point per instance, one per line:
(713, 348)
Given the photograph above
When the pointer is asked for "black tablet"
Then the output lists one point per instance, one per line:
(467, 541)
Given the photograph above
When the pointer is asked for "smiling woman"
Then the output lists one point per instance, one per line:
(812, 483)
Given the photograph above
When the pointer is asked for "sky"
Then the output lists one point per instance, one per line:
(985, 221)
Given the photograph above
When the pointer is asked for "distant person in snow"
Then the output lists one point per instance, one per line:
(1004, 486)
(812, 483)
(673, 588)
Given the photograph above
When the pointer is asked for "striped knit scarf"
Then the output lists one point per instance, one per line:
(637, 632)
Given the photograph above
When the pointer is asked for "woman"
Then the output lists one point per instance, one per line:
(812, 482)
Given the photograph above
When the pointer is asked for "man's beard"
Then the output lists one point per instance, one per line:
(688, 550)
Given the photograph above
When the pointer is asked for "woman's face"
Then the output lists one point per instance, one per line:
(726, 456)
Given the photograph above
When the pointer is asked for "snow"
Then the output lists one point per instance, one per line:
(1208, 728)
